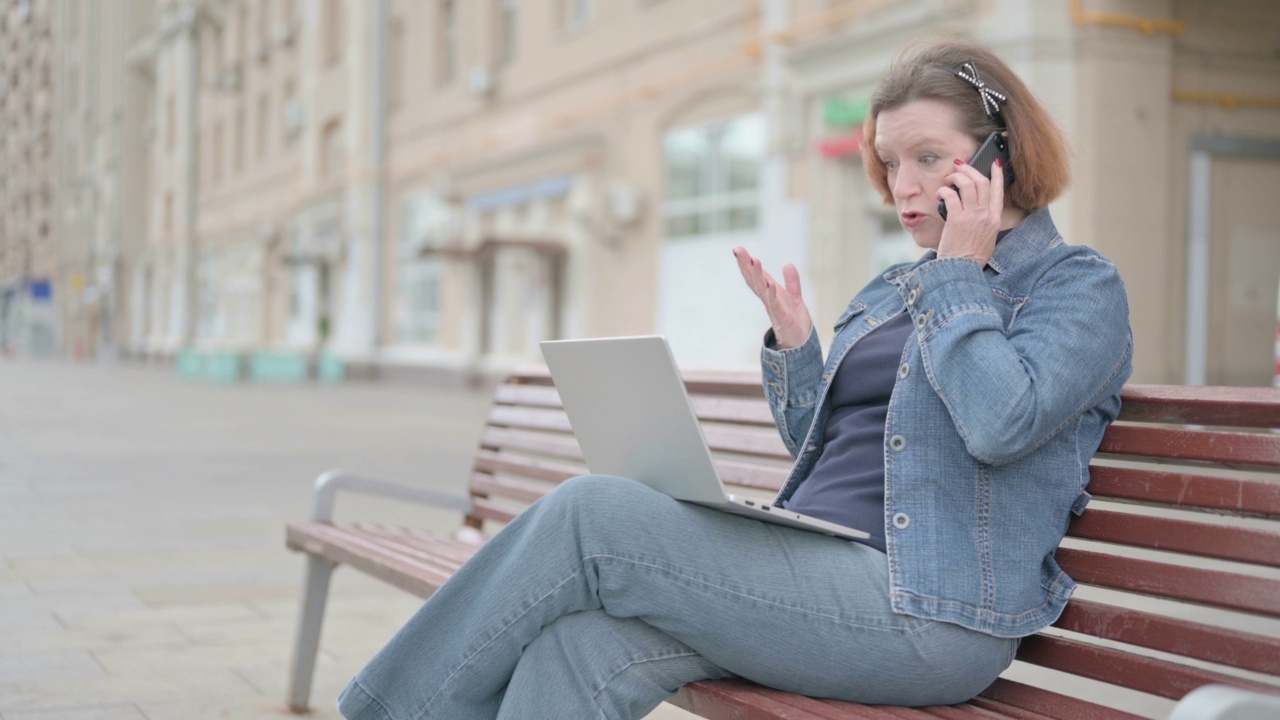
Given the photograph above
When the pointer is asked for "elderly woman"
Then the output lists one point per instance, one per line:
(954, 418)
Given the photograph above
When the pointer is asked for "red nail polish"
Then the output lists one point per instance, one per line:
(959, 161)
(999, 162)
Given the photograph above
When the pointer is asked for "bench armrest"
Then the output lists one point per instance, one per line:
(329, 483)
(1223, 702)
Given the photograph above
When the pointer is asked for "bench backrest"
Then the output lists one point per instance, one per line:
(1179, 553)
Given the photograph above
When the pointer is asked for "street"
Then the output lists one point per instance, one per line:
(143, 572)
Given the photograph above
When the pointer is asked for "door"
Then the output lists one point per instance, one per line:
(1244, 271)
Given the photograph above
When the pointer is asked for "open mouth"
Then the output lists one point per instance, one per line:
(912, 218)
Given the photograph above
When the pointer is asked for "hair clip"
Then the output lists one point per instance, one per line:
(990, 98)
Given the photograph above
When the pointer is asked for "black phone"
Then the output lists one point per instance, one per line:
(995, 146)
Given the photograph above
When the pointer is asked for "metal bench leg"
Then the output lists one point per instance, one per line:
(307, 643)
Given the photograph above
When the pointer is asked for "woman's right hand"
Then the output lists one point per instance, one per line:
(786, 308)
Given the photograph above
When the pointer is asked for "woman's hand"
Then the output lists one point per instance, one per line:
(973, 215)
(786, 308)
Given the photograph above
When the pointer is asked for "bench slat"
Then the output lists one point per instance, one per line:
(488, 461)
(1047, 702)
(446, 565)
(1231, 449)
(564, 447)
(759, 442)
(1208, 587)
(486, 510)
(391, 568)
(484, 486)
(1231, 406)
(1193, 538)
(741, 700)
(529, 418)
(731, 472)
(1180, 637)
(713, 408)
(1180, 489)
(1137, 672)
(451, 550)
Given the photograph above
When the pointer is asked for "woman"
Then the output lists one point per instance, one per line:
(954, 418)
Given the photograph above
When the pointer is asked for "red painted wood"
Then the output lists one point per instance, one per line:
(1231, 406)
(1149, 675)
(1233, 449)
(1208, 587)
(740, 700)
(1179, 637)
(1048, 703)
(1193, 538)
(1180, 489)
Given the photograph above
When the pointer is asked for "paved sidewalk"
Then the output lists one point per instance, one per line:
(143, 573)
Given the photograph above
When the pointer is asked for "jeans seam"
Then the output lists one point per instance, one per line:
(771, 603)
(624, 668)
(467, 660)
(371, 698)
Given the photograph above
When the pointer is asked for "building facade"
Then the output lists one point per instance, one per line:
(102, 134)
(438, 186)
(28, 214)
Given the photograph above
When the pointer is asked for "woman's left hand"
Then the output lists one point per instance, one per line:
(973, 215)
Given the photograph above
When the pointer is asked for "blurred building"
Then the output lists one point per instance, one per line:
(439, 185)
(102, 132)
(28, 255)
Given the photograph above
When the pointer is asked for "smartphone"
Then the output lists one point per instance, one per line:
(995, 146)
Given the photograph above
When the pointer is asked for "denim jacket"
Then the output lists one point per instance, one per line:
(1005, 387)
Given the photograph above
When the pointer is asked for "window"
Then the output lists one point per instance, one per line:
(217, 66)
(448, 41)
(264, 22)
(395, 64)
(578, 14)
(242, 34)
(239, 140)
(170, 123)
(713, 177)
(333, 160)
(216, 152)
(264, 117)
(507, 26)
(426, 221)
(332, 31)
(291, 112)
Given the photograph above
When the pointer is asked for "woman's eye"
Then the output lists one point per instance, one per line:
(890, 164)
(927, 160)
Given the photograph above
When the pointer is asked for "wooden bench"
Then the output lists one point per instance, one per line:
(1177, 557)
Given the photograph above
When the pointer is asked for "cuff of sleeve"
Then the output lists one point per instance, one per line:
(792, 367)
(941, 289)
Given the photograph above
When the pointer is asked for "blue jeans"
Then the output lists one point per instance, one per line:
(604, 597)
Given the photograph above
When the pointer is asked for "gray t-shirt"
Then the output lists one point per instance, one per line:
(847, 483)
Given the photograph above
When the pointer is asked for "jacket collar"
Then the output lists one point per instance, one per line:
(1026, 240)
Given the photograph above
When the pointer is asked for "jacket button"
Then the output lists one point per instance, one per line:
(904, 371)
(921, 319)
(911, 297)
(901, 521)
(897, 442)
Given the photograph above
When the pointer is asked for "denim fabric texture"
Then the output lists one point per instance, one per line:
(1005, 388)
(605, 597)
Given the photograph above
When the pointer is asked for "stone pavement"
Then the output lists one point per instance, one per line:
(143, 573)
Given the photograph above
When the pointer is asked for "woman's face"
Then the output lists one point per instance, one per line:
(919, 143)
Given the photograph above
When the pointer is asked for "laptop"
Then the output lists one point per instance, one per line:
(632, 417)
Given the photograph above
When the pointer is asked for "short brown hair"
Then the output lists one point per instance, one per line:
(1038, 150)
